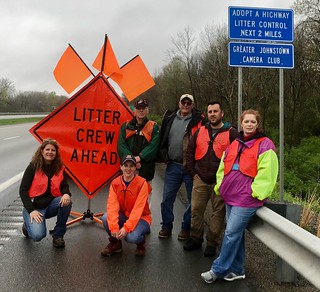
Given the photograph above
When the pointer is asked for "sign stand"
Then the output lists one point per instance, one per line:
(85, 215)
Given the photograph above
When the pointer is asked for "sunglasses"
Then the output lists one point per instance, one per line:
(186, 103)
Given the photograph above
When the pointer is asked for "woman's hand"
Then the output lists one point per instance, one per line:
(65, 200)
(36, 216)
(122, 233)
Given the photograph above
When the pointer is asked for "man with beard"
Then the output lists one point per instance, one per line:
(202, 161)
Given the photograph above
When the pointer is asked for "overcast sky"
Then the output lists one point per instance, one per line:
(35, 33)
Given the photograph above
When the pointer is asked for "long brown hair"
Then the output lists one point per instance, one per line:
(38, 160)
(256, 114)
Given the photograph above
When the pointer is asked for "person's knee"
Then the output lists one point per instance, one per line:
(37, 236)
(132, 237)
(66, 209)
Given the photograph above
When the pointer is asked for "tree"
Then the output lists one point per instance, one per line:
(7, 92)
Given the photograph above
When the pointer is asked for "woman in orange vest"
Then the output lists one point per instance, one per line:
(45, 193)
(128, 214)
(246, 176)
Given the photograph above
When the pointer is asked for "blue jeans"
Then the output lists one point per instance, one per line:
(135, 236)
(37, 231)
(174, 177)
(232, 254)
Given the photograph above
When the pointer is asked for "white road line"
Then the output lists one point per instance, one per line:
(11, 181)
(10, 138)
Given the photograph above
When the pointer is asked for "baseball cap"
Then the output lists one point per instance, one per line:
(183, 96)
(141, 103)
(128, 158)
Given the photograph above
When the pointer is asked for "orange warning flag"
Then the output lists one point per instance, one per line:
(110, 64)
(71, 71)
(134, 78)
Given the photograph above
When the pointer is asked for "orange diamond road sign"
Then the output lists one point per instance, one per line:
(87, 127)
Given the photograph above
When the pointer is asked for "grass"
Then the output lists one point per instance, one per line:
(4, 122)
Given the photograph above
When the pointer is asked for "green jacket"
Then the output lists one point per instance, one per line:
(140, 140)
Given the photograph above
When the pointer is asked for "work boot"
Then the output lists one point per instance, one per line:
(210, 251)
(191, 244)
(164, 233)
(58, 242)
(141, 249)
(114, 246)
(24, 231)
(184, 234)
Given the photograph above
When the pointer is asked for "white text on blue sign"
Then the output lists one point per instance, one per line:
(262, 55)
(261, 24)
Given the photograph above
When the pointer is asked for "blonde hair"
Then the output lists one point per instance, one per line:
(256, 114)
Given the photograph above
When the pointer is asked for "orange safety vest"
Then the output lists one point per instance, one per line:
(248, 164)
(220, 143)
(127, 196)
(196, 127)
(40, 184)
(146, 131)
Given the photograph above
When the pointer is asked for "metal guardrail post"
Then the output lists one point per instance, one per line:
(294, 245)
(284, 272)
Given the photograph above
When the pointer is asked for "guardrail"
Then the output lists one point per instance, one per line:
(297, 247)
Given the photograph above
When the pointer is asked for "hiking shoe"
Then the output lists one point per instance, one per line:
(24, 231)
(210, 251)
(232, 276)
(141, 249)
(209, 277)
(164, 233)
(112, 248)
(191, 244)
(58, 242)
(184, 234)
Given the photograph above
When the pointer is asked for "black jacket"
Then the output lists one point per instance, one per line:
(196, 121)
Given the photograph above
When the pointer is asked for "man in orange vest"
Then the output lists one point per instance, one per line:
(140, 137)
(203, 157)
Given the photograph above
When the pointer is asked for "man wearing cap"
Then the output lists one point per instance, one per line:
(176, 130)
(140, 137)
(128, 215)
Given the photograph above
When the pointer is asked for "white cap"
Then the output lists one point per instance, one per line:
(189, 96)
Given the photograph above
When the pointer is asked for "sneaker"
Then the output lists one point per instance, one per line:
(210, 251)
(141, 249)
(184, 234)
(191, 244)
(112, 248)
(58, 242)
(209, 277)
(232, 276)
(164, 233)
(24, 231)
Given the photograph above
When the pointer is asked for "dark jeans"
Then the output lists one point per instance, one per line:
(174, 177)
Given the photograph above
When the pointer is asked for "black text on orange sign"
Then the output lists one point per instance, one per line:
(98, 115)
(94, 156)
(95, 136)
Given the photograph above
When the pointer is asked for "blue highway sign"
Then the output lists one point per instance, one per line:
(252, 23)
(261, 55)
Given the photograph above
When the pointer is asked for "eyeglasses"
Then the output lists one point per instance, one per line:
(186, 103)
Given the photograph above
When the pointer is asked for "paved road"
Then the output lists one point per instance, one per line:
(29, 266)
